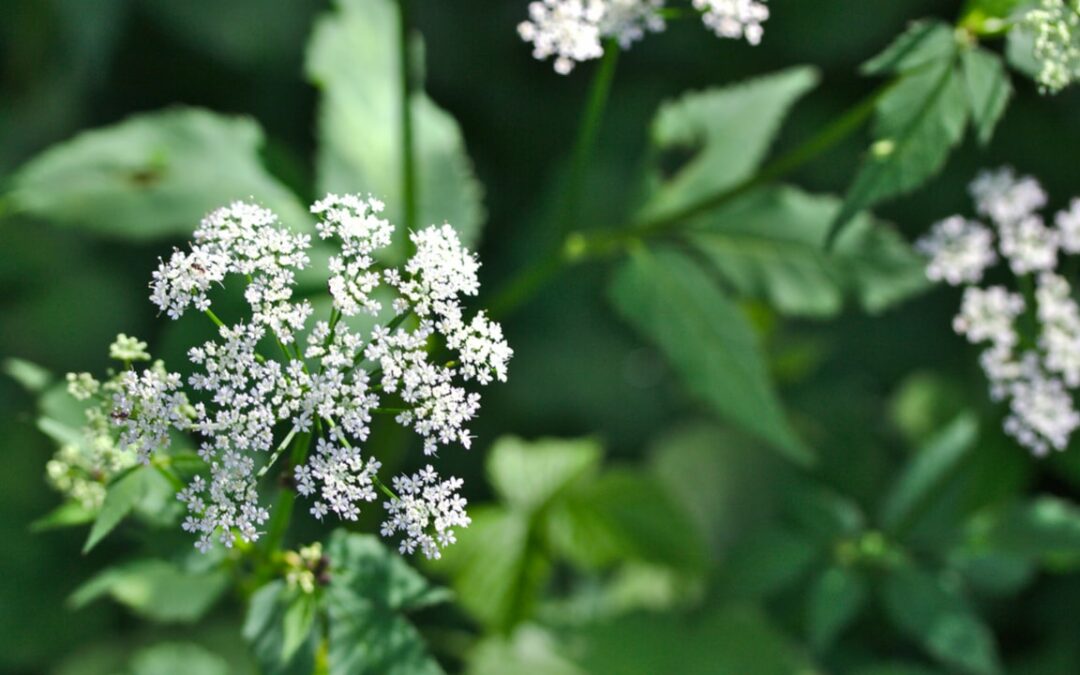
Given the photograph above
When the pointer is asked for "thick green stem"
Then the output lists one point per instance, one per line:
(408, 168)
(585, 144)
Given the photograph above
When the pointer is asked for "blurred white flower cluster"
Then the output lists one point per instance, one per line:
(1056, 27)
(1031, 335)
(278, 380)
(573, 31)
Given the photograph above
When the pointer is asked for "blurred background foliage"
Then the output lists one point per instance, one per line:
(660, 541)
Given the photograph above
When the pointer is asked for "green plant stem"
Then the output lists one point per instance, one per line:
(408, 168)
(282, 513)
(585, 145)
(579, 247)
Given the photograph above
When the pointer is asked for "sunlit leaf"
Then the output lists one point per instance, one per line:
(527, 474)
(172, 658)
(155, 589)
(264, 631)
(989, 90)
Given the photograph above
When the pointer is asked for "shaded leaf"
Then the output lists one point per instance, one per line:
(264, 631)
(122, 497)
(834, 601)
(728, 129)
(707, 339)
(170, 658)
(989, 90)
(153, 175)
(155, 589)
(923, 43)
(353, 59)
(68, 514)
(1045, 529)
(766, 562)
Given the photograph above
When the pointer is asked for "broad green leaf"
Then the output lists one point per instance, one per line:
(528, 474)
(122, 497)
(621, 515)
(529, 649)
(770, 245)
(923, 43)
(729, 130)
(153, 175)
(68, 514)
(731, 641)
(297, 624)
(927, 470)
(919, 121)
(835, 600)
(172, 658)
(353, 59)
(989, 90)
(495, 568)
(370, 589)
(1046, 529)
(32, 377)
(707, 339)
(767, 561)
(920, 605)
(156, 590)
(264, 631)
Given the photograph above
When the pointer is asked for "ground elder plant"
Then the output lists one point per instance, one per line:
(737, 438)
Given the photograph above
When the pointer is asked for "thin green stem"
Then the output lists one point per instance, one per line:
(585, 145)
(214, 317)
(282, 513)
(578, 247)
(408, 169)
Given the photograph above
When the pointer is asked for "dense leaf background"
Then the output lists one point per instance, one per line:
(921, 540)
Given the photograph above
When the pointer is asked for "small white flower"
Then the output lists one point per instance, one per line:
(569, 30)
(1068, 227)
(1059, 318)
(1056, 24)
(988, 315)
(734, 19)
(627, 21)
(126, 348)
(1042, 415)
(960, 250)
(425, 513)
(1030, 246)
(1004, 198)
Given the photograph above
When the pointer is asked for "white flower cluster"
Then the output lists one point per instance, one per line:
(320, 398)
(573, 31)
(1036, 373)
(425, 512)
(1056, 27)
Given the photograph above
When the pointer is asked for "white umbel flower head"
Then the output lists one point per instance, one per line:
(734, 19)
(1059, 318)
(1056, 25)
(959, 251)
(989, 315)
(627, 21)
(426, 512)
(1004, 198)
(569, 30)
(1068, 227)
(1042, 415)
(1029, 246)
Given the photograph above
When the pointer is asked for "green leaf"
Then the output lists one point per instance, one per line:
(731, 641)
(1045, 529)
(68, 514)
(30, 376)
(834, 601)
(528, 474)
(927, 470)
(529, 649)
(297, 624)
(895, 669)
(770, 245)
(156, 590)
(923, 43)
(122, 497)
(152, 175)
(353, 58)
(625, 514)
(939, 619)
(264, 630)
(919, 120)
(989, 90)
(171, 658)
(496, 569)
(370, 590)
(767, 561)
(707, 339)
(729, 129)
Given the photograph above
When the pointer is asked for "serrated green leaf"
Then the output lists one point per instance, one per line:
(30, 376)
(264, 631)
(707, 339)
(923, 43)
(155, 589)
(353, 59)
(370, 589)
(495, 568)
(120, 499)
(919, 121)
(834, 601)
(170, 658)
(989, 90)
(528, 474)
(940, 620)
(153, 175)
(927, 470)
(625, 515)
(728, 129)
(770, 245)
